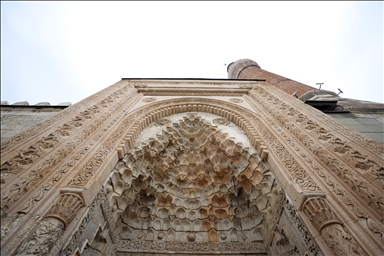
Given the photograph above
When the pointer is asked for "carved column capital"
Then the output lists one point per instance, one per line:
(330, 227)
(65, 208)
(319, 212)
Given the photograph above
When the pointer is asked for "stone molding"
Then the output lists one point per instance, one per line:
(355, 138)
(145, 115)
(314, 154)
(361, 170)
(180, 91)
(346, 189)
(61, 151)
(20, 139)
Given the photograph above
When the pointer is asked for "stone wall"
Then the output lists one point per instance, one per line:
(365, 117)
(15, 119)
(369, 124)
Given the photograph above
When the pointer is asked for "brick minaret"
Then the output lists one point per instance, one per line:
(249, 69)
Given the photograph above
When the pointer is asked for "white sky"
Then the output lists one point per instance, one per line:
(65, 51)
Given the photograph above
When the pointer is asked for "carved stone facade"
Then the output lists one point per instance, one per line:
(201, 167)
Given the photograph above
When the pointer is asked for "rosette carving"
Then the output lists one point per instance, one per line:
(221, 121)
(151, 99)
(236, 100)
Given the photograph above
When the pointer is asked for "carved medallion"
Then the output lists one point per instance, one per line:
(221, 121)
(149, 99)
(236, 100)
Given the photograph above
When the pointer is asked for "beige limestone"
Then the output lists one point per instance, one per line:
(191, 167)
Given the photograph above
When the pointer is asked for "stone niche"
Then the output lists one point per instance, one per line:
(193, 183)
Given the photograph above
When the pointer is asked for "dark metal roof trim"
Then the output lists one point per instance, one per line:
(33, 106)
(199, 79)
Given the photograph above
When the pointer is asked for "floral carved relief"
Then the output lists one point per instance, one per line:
(292, 118)
(22, 137)
(35, 199)
(97, 118)
(14, 192)
(46, 144)
(338, 190)
(374, 147)
(43, 238)
(162, 122)
(343, 149)
(8, 222)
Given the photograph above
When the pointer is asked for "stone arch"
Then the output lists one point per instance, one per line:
(260, 135)
(255, 239)
(220, 184)
(232, 112)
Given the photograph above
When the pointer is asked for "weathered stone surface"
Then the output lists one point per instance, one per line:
(192, 167)
(14, 120)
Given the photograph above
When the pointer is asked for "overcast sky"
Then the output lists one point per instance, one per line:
(65, 51)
